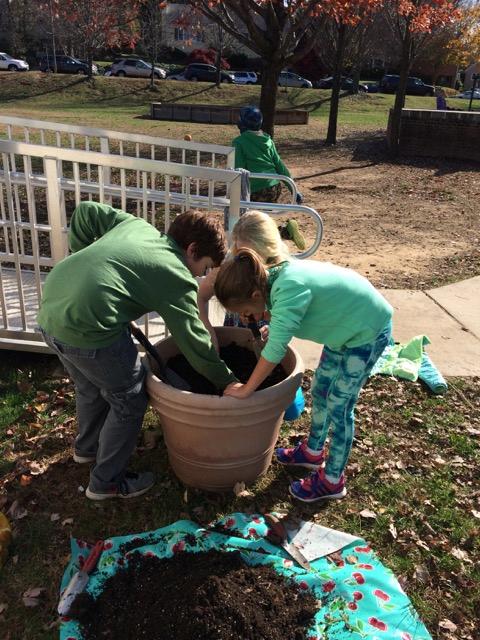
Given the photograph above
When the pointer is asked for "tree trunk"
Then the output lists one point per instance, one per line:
(219, 55)
(90, 62)
(53, 38)
(268, 95)
(337, 80)
(405, 64)
(153, 53)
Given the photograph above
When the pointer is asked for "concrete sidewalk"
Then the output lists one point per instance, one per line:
(449, 316)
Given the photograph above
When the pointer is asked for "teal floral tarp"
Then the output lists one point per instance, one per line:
(358, 597)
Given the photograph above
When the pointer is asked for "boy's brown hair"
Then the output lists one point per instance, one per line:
(206, 232)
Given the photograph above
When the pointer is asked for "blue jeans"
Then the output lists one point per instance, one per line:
(337, 383)
(111, 402)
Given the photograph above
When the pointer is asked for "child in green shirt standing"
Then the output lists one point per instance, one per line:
(326, 304)
(121, 268)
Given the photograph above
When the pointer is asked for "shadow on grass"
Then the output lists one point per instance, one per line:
(61, 87)
(312, 105)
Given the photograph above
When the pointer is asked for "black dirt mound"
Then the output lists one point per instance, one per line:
(201, 596)
(240, 360)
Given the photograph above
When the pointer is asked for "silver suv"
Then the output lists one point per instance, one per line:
(12, 64)
(135, 68)
(289, 79)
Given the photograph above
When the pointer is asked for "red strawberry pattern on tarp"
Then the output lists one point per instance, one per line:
(361, 601)
(378, 624)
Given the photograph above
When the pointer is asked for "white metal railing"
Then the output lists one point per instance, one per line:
(106, 141)
(35, 205)
(137, 145)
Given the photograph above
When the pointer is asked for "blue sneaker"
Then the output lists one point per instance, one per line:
(300, 457)
(317, 487)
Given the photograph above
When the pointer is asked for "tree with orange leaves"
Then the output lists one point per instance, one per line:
(101, 23)
(344, 16)
(280, 32)
(412, 21)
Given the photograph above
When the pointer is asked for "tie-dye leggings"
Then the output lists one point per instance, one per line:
(336, 386)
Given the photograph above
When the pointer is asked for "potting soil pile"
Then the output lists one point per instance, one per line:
(208, 592)
(212, 595)
(240, 360)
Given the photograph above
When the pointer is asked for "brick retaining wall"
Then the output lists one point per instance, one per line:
(218, 114)
(448, 134)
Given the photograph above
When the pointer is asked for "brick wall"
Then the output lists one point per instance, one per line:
(448, 134)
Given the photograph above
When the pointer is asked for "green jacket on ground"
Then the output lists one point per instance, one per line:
(324, 303)
(256, 152)
(120, 268)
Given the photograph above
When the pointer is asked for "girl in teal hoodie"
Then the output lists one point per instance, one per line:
(329, 305)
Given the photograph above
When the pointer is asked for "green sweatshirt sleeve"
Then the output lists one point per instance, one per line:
(289, 304)
(279, 166)
(240, 160)
(181, 316)
(90, 221)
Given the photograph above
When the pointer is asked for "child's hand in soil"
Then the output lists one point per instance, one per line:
(237, 390)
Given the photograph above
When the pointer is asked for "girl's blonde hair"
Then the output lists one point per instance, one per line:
(239, 277)
(258, 231)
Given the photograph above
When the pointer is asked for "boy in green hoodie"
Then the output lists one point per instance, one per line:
(121, 268)
(256, 152)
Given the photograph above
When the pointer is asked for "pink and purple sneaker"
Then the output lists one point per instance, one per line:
(317, 487)
(300, 456)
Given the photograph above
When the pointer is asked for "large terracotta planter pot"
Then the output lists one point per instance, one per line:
(214, 442)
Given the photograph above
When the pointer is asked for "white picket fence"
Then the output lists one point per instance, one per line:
(40, 185)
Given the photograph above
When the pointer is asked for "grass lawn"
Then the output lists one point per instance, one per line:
(122, 103)
(414, 464)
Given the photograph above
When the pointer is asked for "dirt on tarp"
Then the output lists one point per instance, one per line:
(196, 596)
(240, 360)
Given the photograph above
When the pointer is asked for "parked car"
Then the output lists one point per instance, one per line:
(415, 86)
(290, 79)
(244, 77)
(65, 64)
(206, 73)
(136, 68)
(7, 63)
(346, 84)
(178, 75)
(466, 95)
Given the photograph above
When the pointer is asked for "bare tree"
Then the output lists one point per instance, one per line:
(280, 32)
(151, 18)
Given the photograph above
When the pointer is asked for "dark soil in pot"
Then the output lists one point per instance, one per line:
(202, 596)
(240, 360)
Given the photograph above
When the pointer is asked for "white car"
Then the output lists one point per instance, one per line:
(7, 63)
(290, 79)
(244, 77)
(466, 95)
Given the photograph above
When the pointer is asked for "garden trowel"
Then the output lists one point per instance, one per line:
(166, 374)
(79, 580)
